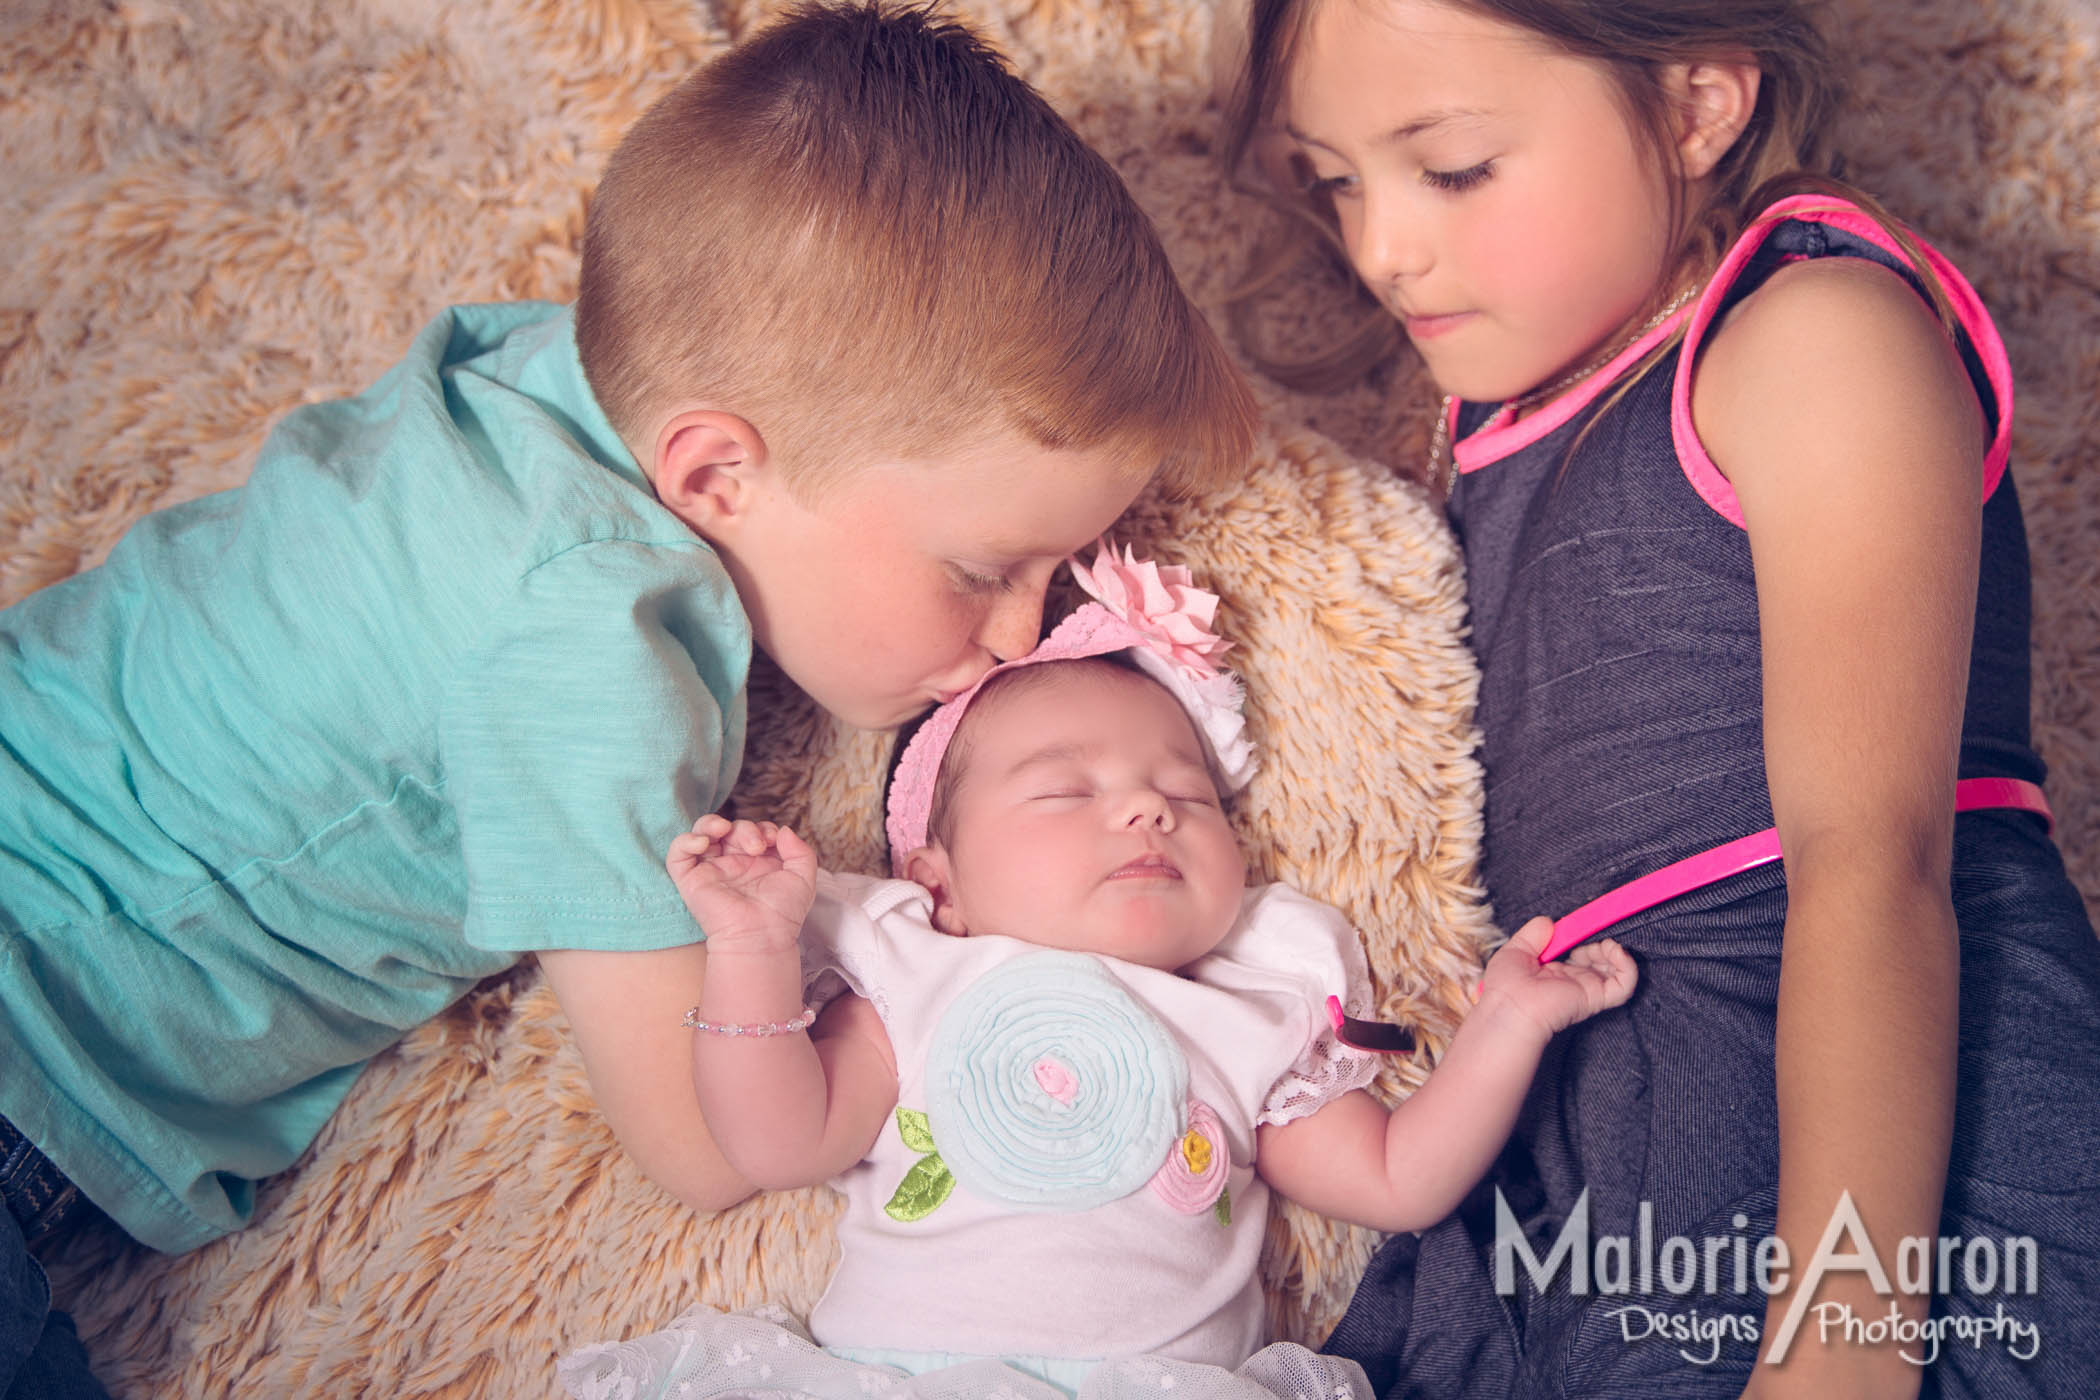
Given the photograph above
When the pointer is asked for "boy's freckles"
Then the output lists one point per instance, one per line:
(903, 583)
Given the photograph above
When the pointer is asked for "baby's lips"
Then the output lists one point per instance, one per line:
(1147, 864)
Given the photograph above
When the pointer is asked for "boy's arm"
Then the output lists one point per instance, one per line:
(625, 1010)
(1408, 1168)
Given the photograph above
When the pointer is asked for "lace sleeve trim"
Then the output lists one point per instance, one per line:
(1327, 1070)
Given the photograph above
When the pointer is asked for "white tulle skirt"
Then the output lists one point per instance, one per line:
(766, 1352)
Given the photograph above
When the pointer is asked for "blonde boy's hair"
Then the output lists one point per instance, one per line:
(860, 231)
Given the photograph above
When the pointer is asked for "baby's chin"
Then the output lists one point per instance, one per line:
(1154, 933)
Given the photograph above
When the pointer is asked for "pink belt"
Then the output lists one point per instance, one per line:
(1695, 872)
(1679, 877)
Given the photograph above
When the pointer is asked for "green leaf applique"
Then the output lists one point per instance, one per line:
(923, 1189)
(1223, 1209)
(913, 1127)
(929, 1181)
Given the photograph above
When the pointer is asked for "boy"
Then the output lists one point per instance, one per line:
(866, 342)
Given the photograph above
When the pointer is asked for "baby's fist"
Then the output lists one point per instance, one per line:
(746, 883)
(1595, 976)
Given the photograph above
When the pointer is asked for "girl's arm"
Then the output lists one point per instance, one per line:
(1861, 502)
(789, 1109)
(1407, 1168)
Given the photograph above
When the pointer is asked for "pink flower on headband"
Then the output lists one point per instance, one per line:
(1155, 615)
(1162, 603)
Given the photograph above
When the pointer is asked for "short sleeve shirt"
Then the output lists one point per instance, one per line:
(305, 760)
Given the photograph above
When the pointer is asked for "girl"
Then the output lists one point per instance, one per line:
(1714, 436)
(1077, 1036)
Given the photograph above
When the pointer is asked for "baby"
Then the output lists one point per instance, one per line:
(1077, 1053)
(1078, 1050)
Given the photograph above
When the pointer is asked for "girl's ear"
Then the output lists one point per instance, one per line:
(929, 866)
(1714, 101)
(705, 466)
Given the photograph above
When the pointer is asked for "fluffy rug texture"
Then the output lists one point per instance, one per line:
(218, 209)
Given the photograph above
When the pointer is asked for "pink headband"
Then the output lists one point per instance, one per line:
(1156, 614)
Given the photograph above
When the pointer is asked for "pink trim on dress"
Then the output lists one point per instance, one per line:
(1491, 445)
(1747, 853)
(1699, 468)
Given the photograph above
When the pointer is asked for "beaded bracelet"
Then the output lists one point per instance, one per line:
(788, 1027)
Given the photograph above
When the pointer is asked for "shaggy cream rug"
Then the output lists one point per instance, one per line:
(217, 209)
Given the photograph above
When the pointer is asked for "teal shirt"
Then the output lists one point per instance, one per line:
(305, 760)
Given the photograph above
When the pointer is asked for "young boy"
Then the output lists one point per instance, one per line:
(866, 342)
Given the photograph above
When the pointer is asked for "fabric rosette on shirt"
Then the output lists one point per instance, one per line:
(1192, 1180)
(1050, 1088)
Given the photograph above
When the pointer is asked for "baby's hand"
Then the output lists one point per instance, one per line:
(749, 884)
(1593, 977)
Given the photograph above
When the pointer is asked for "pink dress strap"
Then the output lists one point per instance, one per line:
(1699, 468)
(1747, 853)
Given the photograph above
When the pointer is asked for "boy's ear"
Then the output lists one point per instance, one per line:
(706, 464)
(929, 866)
(1715, 100)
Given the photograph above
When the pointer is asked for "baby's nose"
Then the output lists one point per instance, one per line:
(1148, 808)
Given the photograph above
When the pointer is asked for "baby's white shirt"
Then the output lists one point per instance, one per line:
(1040, 1076)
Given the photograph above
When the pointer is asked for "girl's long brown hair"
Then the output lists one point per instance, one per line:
(1783, 149)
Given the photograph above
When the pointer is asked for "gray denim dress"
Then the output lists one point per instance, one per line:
(1614, 613)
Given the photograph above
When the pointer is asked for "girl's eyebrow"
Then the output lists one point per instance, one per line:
(1442, 116)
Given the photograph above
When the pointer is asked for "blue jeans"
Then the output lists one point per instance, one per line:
(40, 1354)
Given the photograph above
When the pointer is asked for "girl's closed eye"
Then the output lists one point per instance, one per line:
(1459, 181)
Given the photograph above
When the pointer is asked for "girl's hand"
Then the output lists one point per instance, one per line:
(748, 884)
(1552, 996)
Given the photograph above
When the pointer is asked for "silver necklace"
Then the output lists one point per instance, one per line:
(1442, 469)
